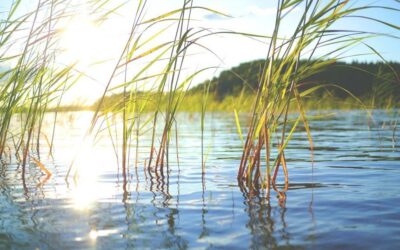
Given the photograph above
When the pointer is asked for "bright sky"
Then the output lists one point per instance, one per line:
(87, 42)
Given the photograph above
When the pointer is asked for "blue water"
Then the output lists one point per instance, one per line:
(348, 198)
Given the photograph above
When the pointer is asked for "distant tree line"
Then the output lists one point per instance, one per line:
(378, 82)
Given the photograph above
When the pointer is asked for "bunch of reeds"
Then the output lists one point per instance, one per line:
(32, 81)
(160, 83)
(317, 37)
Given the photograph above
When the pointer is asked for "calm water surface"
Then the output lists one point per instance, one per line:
(348, 199)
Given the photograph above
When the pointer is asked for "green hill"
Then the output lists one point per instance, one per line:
(364, 80)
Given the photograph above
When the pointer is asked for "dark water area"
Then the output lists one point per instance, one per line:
(348, 198)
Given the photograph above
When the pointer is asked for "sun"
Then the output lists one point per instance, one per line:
(84, 44)
(93, 46)
(81, 41)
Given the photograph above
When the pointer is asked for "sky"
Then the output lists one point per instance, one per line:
(104, 43)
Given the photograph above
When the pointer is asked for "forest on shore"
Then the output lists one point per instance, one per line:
(335, 85)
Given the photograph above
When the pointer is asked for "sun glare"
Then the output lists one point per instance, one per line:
(90, 163)
(89, 167)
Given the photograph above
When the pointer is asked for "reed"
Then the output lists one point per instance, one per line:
(34, 82)
(166, 88)
(278, 87)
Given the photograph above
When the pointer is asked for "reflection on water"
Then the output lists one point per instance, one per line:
(347, 200)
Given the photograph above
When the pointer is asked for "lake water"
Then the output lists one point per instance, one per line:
(347, 199)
